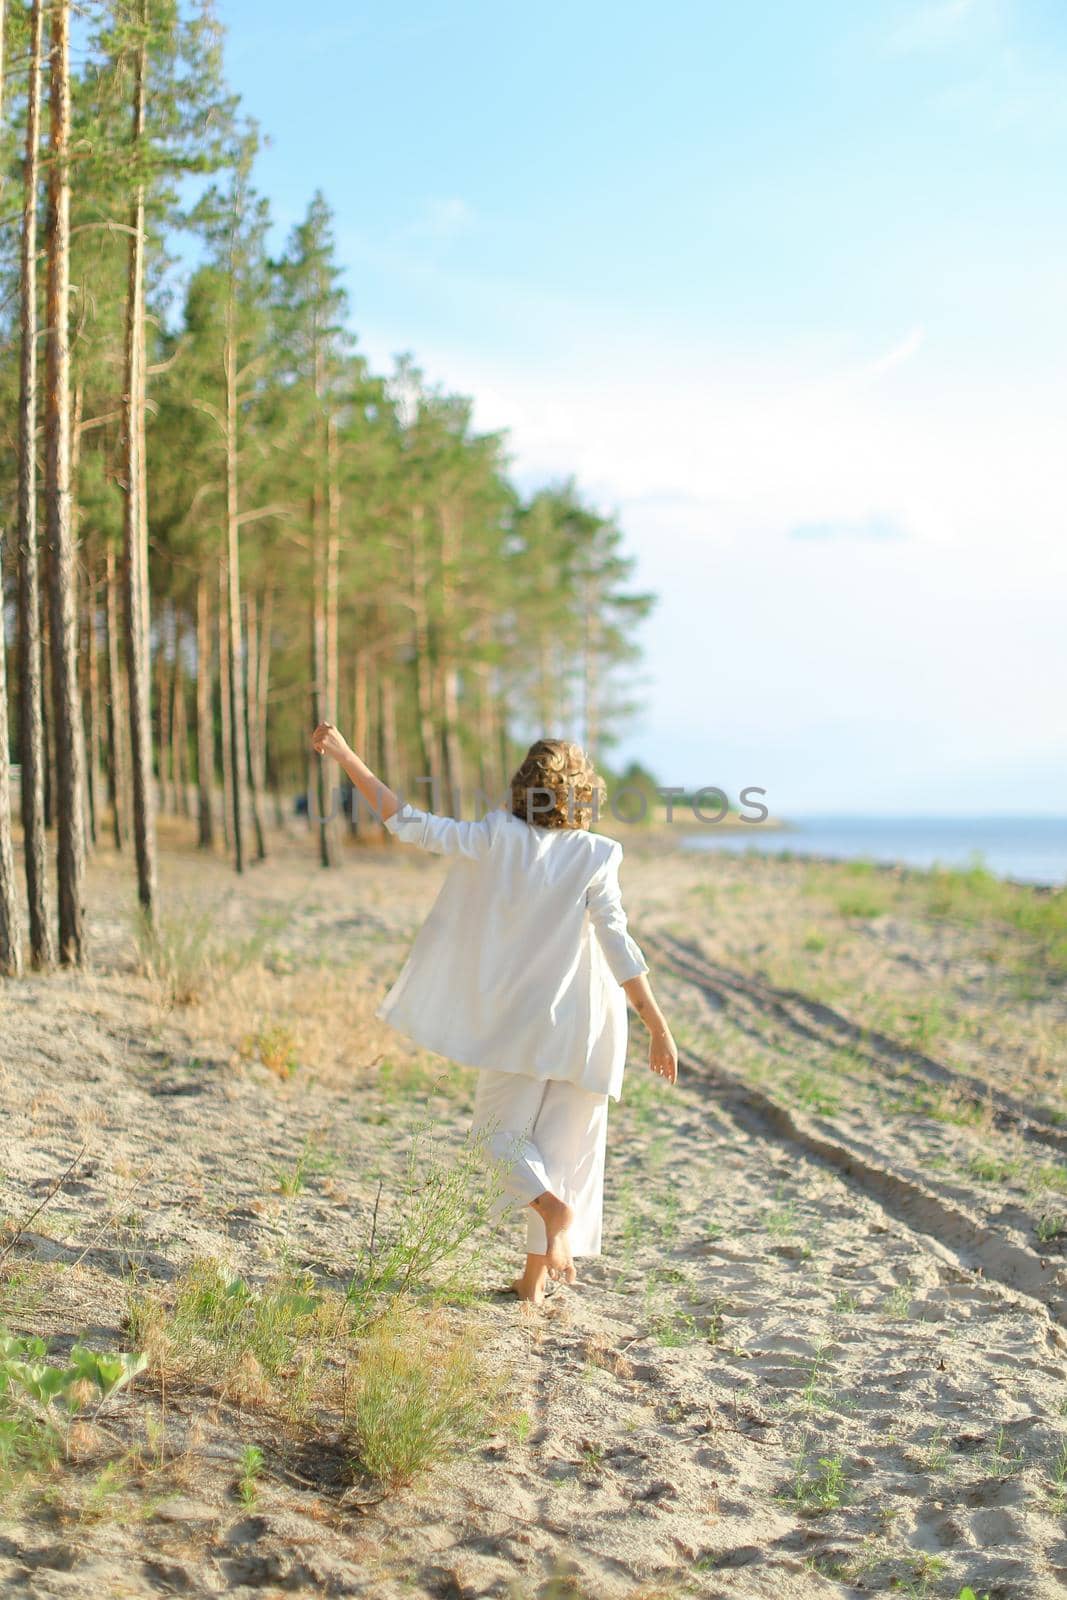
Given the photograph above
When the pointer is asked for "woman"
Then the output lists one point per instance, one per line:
(522, 969)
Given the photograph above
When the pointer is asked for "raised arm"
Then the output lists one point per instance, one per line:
(445, 836)
(327, 741)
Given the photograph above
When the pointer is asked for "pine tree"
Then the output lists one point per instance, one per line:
(135, 551)
(31, 724)
(10, 922)
(70, 761)
(374, 560)
(311, 310)
(227, 318)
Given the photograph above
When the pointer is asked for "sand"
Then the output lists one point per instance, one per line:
(821, 1353)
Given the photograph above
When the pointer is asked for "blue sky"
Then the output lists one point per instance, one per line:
(784, 286)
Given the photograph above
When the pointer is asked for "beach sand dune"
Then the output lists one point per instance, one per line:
(822, 1352)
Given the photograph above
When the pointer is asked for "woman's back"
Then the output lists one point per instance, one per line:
(519, 963)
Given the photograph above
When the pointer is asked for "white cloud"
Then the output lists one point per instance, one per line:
(906, 350)
(949, 636)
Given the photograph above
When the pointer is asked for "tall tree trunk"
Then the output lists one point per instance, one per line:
(362, 824)
(83, 613)
(333, 543)
(179, 728)
(262, 669)
(138, 665)
(117, 773)
(422, 663)
(453, 748)
(238, 736)
(92, 674)
(163, 704)
(547, 686)
(10, 922)
(224, 710)
(255, 791)
(324, 509)
(205, 721)
(390, 740)
(32, 747)
(451, 528)
(10, 925)
(489, 773)
(506, 766)
(46, 698)
(590, 679)
(330, 579)
(70, 815)
(319, 703)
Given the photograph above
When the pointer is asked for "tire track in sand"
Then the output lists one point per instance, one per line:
(745, 997)
(938, 1222)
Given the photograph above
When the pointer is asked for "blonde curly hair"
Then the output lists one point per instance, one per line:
(556, 786)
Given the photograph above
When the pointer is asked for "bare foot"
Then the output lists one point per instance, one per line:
(557, 1218)
(530, 1284)
(526, 1291)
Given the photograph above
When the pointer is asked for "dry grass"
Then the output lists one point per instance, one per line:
(266, 1346)
(318, 1029)
(407, 1390)
(420, 1394)
(186, 957)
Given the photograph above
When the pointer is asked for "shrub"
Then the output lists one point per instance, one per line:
(432, 1225)
(420, 1395)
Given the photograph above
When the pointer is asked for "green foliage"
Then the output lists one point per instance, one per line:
(634, 794)
(252, 1463)
(1057, 1490)
(38, 1399)
(177, 955)
(276, 1046)
(458, 609)
(864, 901)
(429, 1225)
(974, 896)
(25, 1371)
(993, 1169)
(818, 1487)
(897, 1303)
(419, 1396)
(225, 1326)
(781, 1220)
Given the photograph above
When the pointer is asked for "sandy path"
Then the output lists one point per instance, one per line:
(787, 1375)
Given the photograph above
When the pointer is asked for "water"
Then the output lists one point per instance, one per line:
(1029, 849)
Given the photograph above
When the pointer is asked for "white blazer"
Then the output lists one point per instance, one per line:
(519, 963)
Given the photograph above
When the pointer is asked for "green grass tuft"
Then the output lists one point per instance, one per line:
(419, 1396)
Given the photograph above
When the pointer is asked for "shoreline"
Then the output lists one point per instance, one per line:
(879, 844)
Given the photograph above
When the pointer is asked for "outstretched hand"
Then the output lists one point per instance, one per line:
(326, 741)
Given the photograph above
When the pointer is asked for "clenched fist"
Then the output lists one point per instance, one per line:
(326, 741)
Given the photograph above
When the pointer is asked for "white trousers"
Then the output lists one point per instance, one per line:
(545, 1134)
